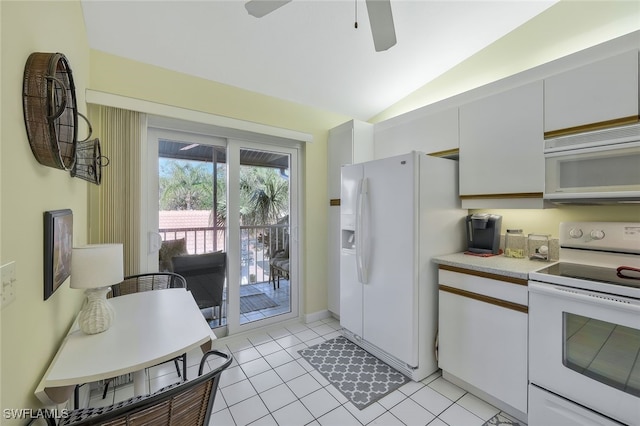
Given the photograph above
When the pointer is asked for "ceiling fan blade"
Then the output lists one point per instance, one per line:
(259, 8)
(381, 21)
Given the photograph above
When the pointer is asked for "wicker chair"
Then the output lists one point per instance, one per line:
(182, 404)
(148, 282)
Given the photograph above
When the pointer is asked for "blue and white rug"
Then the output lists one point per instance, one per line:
(357, 374)
(500, 420)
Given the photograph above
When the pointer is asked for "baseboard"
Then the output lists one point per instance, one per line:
(317, 316)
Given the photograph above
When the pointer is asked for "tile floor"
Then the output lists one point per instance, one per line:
(270, 384)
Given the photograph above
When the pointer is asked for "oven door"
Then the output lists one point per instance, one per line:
(585, 346)
(593, 173)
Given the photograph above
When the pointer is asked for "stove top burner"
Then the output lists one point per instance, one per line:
(592, 273)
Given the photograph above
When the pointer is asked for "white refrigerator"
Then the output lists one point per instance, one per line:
(396, 214)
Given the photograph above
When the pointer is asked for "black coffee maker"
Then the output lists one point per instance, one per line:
(483, 233)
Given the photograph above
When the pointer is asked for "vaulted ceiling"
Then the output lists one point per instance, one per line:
(306, 51)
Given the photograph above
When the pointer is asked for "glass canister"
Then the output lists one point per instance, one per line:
(538, 246)
(514, 243)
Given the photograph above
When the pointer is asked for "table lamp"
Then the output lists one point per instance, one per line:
(95, 268)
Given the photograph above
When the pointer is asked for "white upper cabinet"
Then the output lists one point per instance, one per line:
(349, 143)
(501, 150)
(592, 96)
(434, 132)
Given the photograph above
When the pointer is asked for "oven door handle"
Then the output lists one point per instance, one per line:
(621, 274)
(617, 302)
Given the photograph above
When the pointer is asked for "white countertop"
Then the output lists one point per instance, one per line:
(501, 265)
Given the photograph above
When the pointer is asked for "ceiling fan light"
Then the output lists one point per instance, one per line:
(381, 22)
(259, 8)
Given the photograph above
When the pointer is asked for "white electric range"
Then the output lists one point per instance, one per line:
(584, 328)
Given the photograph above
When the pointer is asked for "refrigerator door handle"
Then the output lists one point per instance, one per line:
(363, 220)
(358, 232)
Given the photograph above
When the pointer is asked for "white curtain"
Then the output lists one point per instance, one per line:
(114, 206)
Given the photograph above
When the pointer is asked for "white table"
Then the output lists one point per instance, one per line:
(149, 328)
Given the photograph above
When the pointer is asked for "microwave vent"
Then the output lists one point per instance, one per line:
(596, 138)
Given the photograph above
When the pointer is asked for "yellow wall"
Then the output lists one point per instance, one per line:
(133, 79)
(31, 327)
(546, 221)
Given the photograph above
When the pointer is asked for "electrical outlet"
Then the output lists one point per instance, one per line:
(8, 279)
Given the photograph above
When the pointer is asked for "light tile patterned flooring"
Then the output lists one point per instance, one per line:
(270, 384)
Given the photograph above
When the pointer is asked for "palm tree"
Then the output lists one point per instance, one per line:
(264, 193)
(264, 196)
(186, 186)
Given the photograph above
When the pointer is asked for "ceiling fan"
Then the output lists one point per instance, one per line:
(380, 18)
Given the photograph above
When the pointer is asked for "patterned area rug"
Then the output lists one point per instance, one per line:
(357, 374)
(500, 420)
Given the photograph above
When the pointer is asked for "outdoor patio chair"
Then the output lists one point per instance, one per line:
(186, 403)
(279, 259)
(205, 275)
(279, 266)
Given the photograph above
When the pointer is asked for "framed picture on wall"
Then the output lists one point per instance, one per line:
(58, 243)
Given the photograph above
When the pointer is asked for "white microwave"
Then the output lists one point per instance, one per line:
(598, 167)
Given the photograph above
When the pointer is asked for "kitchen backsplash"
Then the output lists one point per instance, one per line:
(547, 221)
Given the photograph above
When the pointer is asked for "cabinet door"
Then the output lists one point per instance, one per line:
(485, 345)
(339, 152)
(595, 93)
(501, 144)
(429, 133)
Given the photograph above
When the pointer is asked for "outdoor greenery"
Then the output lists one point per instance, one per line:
(188, 185)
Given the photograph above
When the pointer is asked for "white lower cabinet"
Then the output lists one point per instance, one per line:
(483, 334)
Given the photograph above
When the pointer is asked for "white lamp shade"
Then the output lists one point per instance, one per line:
(97, 265)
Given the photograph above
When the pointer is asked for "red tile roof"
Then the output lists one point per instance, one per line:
(180, 219)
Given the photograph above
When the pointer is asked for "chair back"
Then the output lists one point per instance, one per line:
(205, 275)
(186, 403)
(147, 282)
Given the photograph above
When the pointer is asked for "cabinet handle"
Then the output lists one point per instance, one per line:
(601, 125)
(485, 299)
(503, 278)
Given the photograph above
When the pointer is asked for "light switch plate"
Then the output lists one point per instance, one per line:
(8, 279)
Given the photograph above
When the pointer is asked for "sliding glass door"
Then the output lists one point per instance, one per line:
(220, 200)
(263, 189)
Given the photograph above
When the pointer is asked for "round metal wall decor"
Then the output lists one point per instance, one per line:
(50, 111)
(89, 161)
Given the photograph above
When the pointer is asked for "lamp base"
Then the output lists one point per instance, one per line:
(98, 314)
